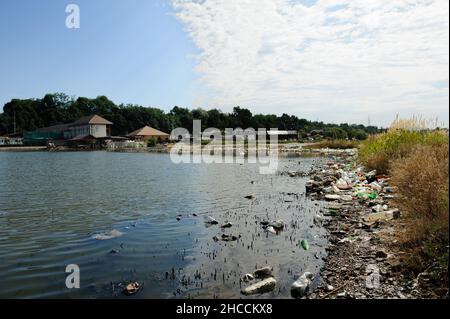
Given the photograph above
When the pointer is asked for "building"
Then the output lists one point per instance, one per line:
(146, 133)
(85, 129)
(284, 135)
(93, 125)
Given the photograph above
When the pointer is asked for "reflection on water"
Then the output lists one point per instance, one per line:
(54, 208)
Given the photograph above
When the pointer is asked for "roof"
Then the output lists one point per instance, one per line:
(54, 128)
(274, 132)
(92, 119)
(148, 131)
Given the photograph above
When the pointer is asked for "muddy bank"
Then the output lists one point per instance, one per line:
(362, 224)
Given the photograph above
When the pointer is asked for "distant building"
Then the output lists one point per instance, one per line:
(94, 125)
(14, 139)
(284, 135)
(85, 129)
(147, 133)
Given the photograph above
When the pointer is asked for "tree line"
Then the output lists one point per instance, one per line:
(59, 108)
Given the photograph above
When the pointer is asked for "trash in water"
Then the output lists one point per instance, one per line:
(131, 288)
(304, 243)
(301, 286)
(110, 235)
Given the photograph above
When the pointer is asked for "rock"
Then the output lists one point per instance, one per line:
(342, 294)
(377, 187)
(301, 286)
(247, 278)
(346, 198)
(330, 288)
(131, 288)
(377, 208)
(265, 223)
(278, 225)
(271, 230)
(332, 197)
(263, 272)
(388, 215)
(380, 254)
(227, 225)
(229, 237)
(263, 286)
(292, 174)
(389, 190)
(211, 221)
(250, 196)
(178, 218)
(216, 239)
(114, 252)
(371, 177)
(318, 219)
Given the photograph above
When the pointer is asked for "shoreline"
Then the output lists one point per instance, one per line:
(363, 261)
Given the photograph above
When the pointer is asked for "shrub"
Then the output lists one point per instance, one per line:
(379, 150)
(152, 142)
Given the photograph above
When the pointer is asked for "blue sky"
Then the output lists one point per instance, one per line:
(336, 61)
(131, 51)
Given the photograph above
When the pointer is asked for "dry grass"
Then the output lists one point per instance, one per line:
(422, 181)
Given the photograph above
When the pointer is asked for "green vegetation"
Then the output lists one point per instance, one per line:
(334, 144)
(59, 108)
(378, 151)
(152, 142)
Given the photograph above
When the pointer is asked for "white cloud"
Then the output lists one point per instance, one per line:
(337, 61)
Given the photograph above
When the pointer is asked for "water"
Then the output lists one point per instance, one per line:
(54, 206)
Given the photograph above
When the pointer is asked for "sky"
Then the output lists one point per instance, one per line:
(336, 61)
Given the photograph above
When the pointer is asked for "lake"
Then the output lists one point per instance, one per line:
(58, 209)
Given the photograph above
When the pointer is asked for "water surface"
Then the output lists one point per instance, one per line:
(52, 206)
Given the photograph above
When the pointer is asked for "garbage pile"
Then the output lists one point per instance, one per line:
(358, 212)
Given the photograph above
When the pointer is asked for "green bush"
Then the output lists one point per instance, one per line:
(378, 151)
(152, 142)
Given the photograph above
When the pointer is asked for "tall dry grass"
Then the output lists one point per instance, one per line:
(417, 158)
(423, 185)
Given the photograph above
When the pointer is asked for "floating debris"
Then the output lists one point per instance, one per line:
(106, 236)
(131, 288)
(304, 243)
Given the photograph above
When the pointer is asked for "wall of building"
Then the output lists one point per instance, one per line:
(97, 131)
